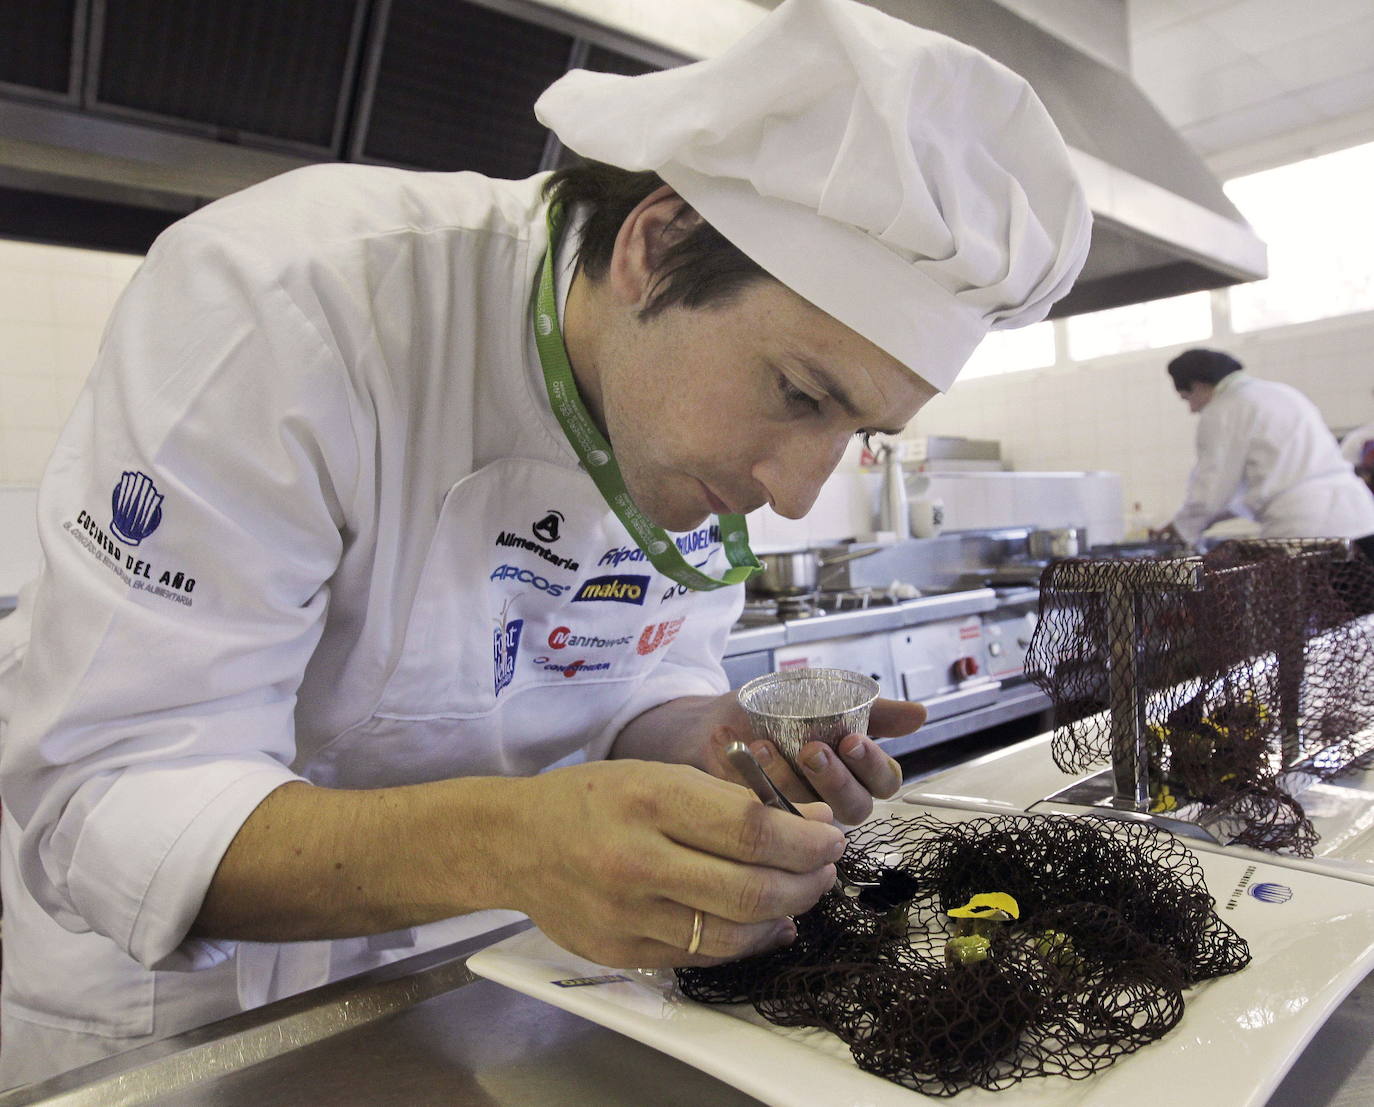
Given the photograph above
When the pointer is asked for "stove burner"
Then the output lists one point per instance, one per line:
(799, 607)
(761, 610)
(858, 599)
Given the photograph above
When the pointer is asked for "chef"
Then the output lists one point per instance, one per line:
(391, 550)
(1263, 453)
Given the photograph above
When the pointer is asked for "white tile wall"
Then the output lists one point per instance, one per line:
(1118, 414)
(1121, 413)
(53, 305)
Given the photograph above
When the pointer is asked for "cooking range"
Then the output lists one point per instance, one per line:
(961, 653)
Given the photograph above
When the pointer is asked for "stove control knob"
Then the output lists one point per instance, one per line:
(966, 667)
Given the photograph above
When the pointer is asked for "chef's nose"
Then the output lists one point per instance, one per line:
(796, 466)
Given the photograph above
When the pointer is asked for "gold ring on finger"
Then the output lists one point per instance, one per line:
(695, 943)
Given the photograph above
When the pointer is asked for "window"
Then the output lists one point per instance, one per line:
(1011, 352)
(1314, 215)
(1167, 322)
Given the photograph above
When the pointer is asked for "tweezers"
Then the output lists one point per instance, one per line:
(748, 767)
(745, 764)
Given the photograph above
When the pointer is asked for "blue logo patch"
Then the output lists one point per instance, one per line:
(698, 540)
(618, 589)
(526, 576)
(1271, 893)
(505, 646)
(135, 507)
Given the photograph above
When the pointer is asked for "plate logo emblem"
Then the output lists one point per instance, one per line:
(1268, 892)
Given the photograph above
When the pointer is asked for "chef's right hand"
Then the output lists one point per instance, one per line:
(615, 857)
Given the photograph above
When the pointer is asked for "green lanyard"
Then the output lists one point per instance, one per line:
(595, 453)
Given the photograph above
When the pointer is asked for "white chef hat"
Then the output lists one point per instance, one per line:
(903, 182)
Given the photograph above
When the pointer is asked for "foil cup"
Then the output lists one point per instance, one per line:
(798, 706)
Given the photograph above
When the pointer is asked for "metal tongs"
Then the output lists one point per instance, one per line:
(742, 758)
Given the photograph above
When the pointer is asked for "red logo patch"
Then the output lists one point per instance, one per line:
(658, 635)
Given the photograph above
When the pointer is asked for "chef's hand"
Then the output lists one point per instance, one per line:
(848, 778)
(618, 856)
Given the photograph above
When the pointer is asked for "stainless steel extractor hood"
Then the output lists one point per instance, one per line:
(109, 152)
(1162, 224)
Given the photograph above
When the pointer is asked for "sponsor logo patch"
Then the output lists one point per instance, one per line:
(673, 591)
(693, 542)
(562, 637)
(135, 513)
(135, 508)
(700, 539)
(548, 529)
(571, 669)
(519, 541)
(505, 647)
(660, 634)
(614, 589)
(528, 576)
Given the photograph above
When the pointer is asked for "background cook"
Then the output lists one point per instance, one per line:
(338, 643)
(1263, 453)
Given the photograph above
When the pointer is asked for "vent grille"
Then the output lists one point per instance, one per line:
(36, 44)
(256, 67)
(455, 89)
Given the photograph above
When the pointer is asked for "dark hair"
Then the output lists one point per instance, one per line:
(1201, 366)
(701, 269)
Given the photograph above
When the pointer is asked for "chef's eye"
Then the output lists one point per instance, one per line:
(794, 397)
(866, 437)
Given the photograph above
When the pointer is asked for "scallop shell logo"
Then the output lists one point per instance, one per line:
(136, 507)
(598, 457)
(544, 323)
(1271, 893)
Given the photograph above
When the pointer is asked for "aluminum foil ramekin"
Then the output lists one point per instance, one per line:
(798, 706)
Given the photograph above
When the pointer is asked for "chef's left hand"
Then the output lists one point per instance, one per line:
(848, 777)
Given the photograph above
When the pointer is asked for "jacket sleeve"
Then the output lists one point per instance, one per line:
(190, 519)
(1215, 482)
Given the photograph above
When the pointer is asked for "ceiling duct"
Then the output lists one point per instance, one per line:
(115, 122)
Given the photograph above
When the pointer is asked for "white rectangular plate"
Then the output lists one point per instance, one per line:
(1238, 1036)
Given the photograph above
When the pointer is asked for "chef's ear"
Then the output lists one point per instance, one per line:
(657, 222)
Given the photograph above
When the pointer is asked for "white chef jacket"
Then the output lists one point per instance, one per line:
(312, 519)
(1264, 453)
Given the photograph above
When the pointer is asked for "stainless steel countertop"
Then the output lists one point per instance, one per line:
(425, 1030)
(421, 1031)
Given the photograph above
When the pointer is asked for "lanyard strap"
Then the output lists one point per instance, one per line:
(595, 452)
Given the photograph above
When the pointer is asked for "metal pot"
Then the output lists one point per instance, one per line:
(1054, 543)
(795, 572)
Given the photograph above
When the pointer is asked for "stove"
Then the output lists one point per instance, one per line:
(961, 653)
